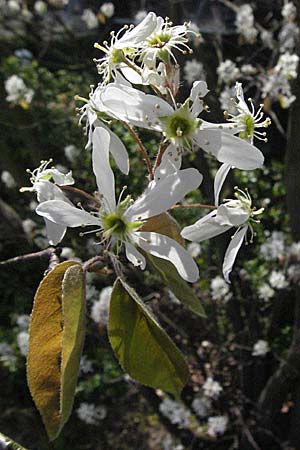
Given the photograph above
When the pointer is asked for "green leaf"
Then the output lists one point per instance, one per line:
(142, 347)
(56, 336)
(176, 284)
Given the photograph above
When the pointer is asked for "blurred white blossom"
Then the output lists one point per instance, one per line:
(17, 90)
(175, 412)
(277, 280)
(90, 19)
(289, 11)
(90, 413)
(100, 308)
(201, 406)
(22, 341)
(193, 71)
(71, 152)
(194, 249)
(265, 292)
(228, 71)
(107, 9)
(8, 179)
(212, 388)
(260, 348)
(245, 23)
(86, 366)
(274, 246)
(220, 290)
(40, 7)
(217, 425)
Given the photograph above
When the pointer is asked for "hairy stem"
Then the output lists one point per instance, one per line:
(141, 147)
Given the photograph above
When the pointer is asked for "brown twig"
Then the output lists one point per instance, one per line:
(194, 206)
(80, 192)
(161, 151)
(141, 147)
(48, 252)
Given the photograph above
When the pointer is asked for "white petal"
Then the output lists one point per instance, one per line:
(48, 191)
(118, 150)
(232, 251)
(232, 216)
(219, 180)
(134, 256)
(130, 74)
(199, 89)
(140, 32)
(65, 214)
(170, 163)
(205, 228)
(55, 232)
(130, 105)
(230, 149)
(164, 194)
(101, 166)
(166, 248)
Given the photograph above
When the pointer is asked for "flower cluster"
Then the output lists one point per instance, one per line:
(138, 58)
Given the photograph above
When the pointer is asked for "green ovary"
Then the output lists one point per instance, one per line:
(114, 223)
(179, 126)
(249, 127)
(159, 40)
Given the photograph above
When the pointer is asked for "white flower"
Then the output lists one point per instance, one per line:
(212, 388)
(119, 223)
(180, 125)
(274, 247)
(13, 6)
(29, 225)
(193, 70)
(23, 322)
(227, 100)
(245, 121)
(22, 341)
(90, 413)
(232, 213)
(162, 42)
(125, 43)
(175, 412)
(140, 15)
(267, 38)
(277, 280)
(217, 425)
(89, 18)
(287, 64)
(100, 308)
(7, 355)
(194, 249)
(91, 293)
(49, 191)
(227, 71)
(260, 348)
(289, 11)
(8, 179)
(288, 37)
(86, 366)
(245, 23)
(220, 289)
(248, 69)
(17, 90)
(294, 251)
(201, 406)
(71, 152)
(277, 86)
(293, 273)
(107, 9)
(265, 292)
(40, 7)
(117, 148)
(67, 253)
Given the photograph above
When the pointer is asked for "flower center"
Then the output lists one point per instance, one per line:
(159, 40)
(117, 56)
(179, 126)
(249, 123)
(114, 223)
